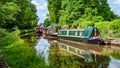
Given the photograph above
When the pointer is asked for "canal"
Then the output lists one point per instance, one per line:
(57, 57)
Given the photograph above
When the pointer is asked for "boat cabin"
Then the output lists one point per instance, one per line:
(88, 35)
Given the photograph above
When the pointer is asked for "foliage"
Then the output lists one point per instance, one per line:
(27, 31)
(20, 13)
(103, 28)
(116, 55)
(8, 11)
(12, 37)
(115, 28)
(115, 25)
(63, 59)
(111, 52)
(47, 22)
(74, 12)
(82, 13)
(3, 32)
(18, 53)
(54, 6)
(109, 28)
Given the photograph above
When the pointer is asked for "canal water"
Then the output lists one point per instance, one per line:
(58, 58)
(42, 49)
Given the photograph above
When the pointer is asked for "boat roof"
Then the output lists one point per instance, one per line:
(72, 29)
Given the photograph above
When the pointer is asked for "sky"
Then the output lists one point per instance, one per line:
(115, 6)
(41, 6)
(42, 10)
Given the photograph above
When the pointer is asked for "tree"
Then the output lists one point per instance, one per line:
(7, 14)
(67, 12)
(47, 22)
(27, 18)
(54, 6)
(20, 13)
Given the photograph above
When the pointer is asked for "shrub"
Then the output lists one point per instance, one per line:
(18, 54)
(3, 32)
(103, 28)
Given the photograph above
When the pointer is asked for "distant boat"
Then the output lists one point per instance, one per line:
(39, 30)
(88, 35)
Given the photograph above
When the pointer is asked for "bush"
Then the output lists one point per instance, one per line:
(109, 29)
(3, 32)
(103, 28)
(10, 38)
(18, 54)
(115, 27)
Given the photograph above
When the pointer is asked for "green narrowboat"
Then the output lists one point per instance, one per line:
(88, 35)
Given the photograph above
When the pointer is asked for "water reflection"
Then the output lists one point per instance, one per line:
(114, 63)
(42, 49)
(62, 59)
(57, 58)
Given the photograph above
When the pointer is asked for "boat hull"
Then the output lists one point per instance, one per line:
(83, 40)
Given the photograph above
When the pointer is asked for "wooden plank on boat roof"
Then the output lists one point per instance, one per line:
(73, 29)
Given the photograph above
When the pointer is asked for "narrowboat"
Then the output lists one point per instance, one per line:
(38, 29)
(89, 35)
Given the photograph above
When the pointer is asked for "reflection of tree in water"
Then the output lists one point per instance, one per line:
(54, 57)
(102, 62)
(60, 60)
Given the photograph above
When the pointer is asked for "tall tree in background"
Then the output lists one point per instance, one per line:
(71, 11)
(27, 18)
(47, 22)
(20, 13)
(7, 14)
(54, 6)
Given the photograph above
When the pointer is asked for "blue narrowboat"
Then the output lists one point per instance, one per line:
(89, 35)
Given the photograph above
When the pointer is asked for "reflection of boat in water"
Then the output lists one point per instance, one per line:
(88, 35)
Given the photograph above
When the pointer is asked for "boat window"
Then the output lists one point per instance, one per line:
(71, 32)
(64, 32)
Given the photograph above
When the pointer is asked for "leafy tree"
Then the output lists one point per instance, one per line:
(20, 13)
(7, 14)
(67, 12)
(54, 6)
(27, 18)
(115, 25)
(47, 22)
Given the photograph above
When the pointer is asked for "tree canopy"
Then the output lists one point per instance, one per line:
(17, 13)
(72, 12)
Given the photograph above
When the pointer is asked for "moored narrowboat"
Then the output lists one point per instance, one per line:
(39, 30)
(89, 35)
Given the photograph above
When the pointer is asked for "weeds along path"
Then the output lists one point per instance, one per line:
(2, 63)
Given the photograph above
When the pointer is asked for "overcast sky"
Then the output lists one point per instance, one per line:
(42, 10)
